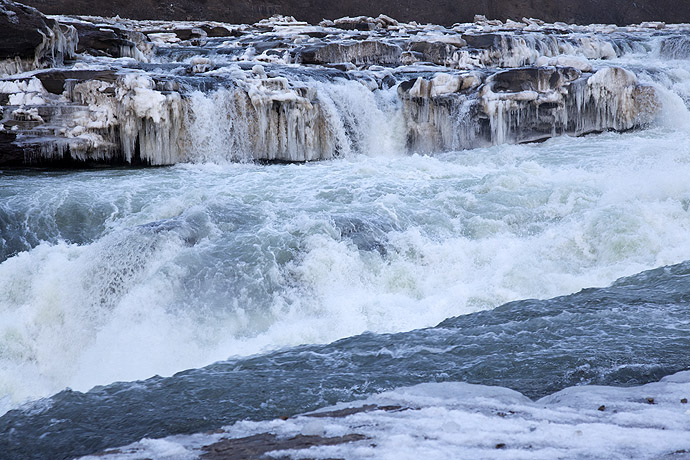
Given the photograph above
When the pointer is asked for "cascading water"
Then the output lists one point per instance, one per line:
(286, 91)
(402, 258)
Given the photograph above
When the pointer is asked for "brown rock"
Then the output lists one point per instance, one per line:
(54, 80)
(355, 410)
(255, 447)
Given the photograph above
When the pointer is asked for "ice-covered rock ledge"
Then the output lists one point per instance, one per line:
(159, 93)
(29, 40)
(458, 420)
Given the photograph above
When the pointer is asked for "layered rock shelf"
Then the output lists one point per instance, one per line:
(92, 90)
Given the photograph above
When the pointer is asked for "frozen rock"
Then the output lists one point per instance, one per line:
(163, 37)
(29, 40)
(576, 62)
(361, 53)
(482, 20)
(523, 105)
(482, 41)
(195, 35)
(459, 420)
(54, 80)
(653, 25)
(218, 30)
(200, 65)
(355, 23)
(532, 79)
(260, 445)
(386, 21)
(155, 92)
(441, 85)
(438, 52)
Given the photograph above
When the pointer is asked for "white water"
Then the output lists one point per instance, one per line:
(243, 258)
(242, 125)
(147, 272)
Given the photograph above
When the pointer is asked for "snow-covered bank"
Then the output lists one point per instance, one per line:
(459, 420)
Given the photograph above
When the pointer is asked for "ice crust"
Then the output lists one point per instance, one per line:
(460, 420)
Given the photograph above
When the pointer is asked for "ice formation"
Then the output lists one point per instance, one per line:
(161, 93)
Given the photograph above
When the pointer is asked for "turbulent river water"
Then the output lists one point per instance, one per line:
(149, 302)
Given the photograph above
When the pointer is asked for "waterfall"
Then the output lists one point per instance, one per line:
(290, 92)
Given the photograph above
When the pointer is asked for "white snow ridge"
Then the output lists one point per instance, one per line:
(456, 420)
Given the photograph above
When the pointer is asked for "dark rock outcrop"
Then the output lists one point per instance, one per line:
(29, 40)
(368, 52)
(108, 40)
(23, 30)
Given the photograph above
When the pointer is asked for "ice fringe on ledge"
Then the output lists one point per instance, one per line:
(260, 117)
(135, 118)
(282, 90)
(460, 420)
(523, 105)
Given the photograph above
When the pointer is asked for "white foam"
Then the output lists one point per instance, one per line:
(462, 233)
(459, 233)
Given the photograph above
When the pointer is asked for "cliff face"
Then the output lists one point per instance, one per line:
(444, 12)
